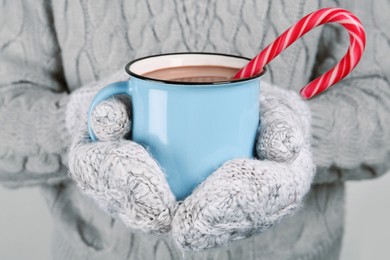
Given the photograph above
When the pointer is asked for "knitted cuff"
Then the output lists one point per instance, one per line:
(350, 140)
(344, 127)
(322, 125)
(52, 132)
(37, 136)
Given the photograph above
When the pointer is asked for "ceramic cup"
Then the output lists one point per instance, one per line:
(190, 128)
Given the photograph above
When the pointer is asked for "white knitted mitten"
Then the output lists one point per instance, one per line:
(124, 180)
(118, 174)
(244, 196)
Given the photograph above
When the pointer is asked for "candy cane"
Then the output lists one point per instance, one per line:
(341, 16)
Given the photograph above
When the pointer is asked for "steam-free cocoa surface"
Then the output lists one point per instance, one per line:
(193, 73)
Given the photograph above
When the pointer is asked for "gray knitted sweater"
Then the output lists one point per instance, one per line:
(48, 49)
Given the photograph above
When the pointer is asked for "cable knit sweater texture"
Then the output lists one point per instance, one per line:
(48, 49)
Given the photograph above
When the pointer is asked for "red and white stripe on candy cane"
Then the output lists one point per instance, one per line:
(339, 71)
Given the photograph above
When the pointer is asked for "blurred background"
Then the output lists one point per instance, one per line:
(25, 224)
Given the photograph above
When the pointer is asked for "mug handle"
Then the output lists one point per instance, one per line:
(116, 88)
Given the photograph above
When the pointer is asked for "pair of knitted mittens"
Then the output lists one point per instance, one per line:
(241, 198)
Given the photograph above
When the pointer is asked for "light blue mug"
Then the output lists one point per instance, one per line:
(190, 128)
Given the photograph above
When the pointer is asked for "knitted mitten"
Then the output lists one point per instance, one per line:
(244, 196)
(118, 174)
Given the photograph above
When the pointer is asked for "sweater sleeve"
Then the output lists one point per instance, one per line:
(351, 121)
(33, 134)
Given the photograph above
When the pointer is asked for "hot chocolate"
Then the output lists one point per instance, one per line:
(194, 73)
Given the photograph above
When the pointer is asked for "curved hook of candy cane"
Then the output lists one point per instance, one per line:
(347, 63)
(307, 23)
